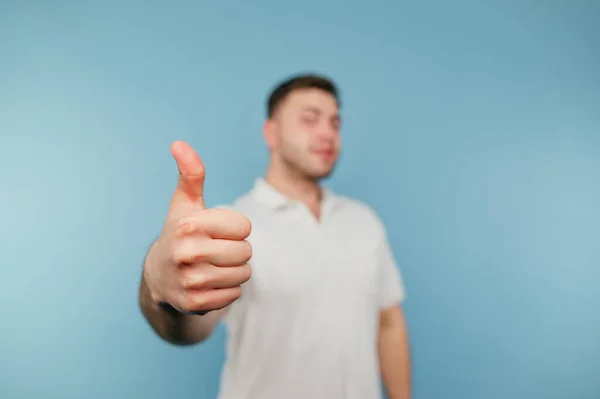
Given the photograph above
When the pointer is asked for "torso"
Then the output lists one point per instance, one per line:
(306, 324)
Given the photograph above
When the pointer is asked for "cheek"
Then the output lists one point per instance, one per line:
(298, 141)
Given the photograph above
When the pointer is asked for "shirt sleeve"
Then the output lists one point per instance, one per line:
(392, 290)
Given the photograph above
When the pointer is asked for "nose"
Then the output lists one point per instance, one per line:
(327, 132)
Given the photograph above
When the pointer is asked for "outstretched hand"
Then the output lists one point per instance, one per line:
(201, 258)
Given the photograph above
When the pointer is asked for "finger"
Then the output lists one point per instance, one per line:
(198, 301)
(216, 223)
(191, 172)
(206, 277)
(201, 249)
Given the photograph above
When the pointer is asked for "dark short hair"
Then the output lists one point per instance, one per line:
(298, 82)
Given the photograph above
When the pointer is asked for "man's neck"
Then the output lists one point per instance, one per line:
(296, 188)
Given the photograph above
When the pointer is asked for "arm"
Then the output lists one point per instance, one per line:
(393, 344)
(394, 356)
(171, 325)
(198, 263)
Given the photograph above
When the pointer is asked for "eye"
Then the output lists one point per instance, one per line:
(309, 120)
(335, 124)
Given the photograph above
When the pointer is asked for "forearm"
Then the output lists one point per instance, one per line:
(171, 325)
(394, 356)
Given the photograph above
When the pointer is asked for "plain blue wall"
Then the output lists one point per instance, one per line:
(472, 128)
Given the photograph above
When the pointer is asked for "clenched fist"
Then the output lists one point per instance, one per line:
(200, 260)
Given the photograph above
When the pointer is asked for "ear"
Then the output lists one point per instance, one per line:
(269, 133)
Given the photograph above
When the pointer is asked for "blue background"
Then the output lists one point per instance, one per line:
(473, 128)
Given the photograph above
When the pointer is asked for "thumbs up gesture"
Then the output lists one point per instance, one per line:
(200, 260)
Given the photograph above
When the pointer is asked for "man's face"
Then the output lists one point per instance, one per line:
(305, 134)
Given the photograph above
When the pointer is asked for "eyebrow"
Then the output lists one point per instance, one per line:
(311, 109)
(319, 112)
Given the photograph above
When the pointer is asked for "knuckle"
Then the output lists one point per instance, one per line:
(185, 226)
(194, 280)
(199, 302)
(185, 252)
(185, 281)
(182, 222)
(180, 257)
(200, 255)
(193, 301)
(176, 255)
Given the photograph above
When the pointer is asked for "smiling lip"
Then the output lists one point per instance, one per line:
(324, 153)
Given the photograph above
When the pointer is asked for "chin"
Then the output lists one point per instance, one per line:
(322, 174)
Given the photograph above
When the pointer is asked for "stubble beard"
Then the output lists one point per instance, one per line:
(300, 172)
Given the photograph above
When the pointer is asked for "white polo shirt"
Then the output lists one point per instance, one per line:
(306, 325)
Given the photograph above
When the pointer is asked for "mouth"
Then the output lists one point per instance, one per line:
(324, 153)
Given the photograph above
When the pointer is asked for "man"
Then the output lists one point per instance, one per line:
(319, 315)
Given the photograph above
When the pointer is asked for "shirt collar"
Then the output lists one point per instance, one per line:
(270, 196)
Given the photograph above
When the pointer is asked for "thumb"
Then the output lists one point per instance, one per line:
(191, 172)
